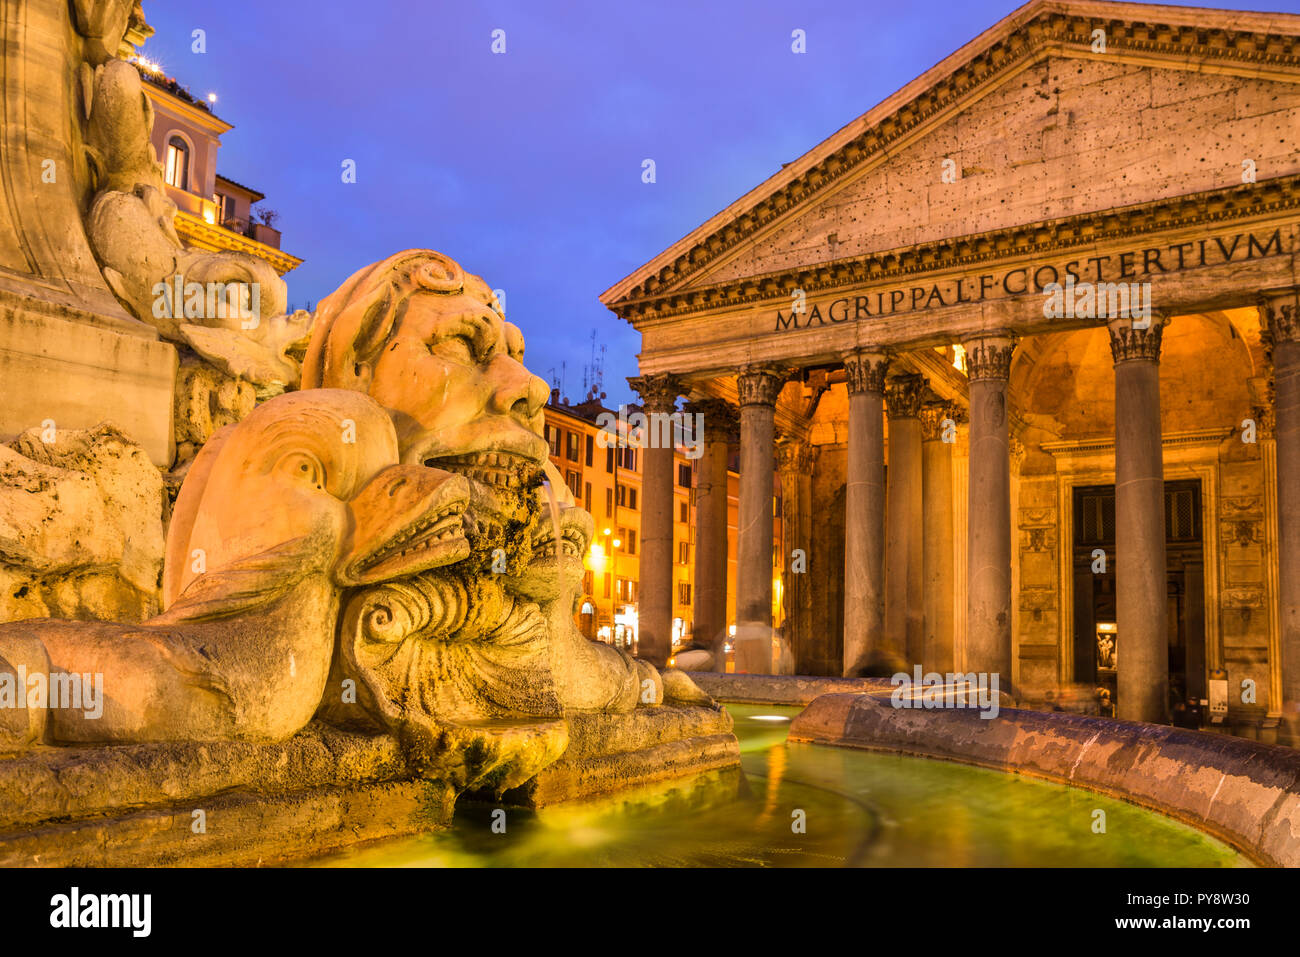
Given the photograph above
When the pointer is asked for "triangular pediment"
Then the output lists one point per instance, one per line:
(1029, 122)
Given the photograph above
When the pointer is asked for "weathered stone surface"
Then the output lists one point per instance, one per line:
(1243, 792)
(81, 527)
(206, 399)
(779, 689)
(277, 516)
(134, 805)
(609, 752)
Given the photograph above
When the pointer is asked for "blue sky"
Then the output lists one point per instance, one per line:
(526, 166)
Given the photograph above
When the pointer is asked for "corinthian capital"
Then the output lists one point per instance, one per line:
(658, 392)
(933, 416)
(721, 424)
(795, 455)
(989, 356)
(1279, 315)
(903, 395)
(1130, 341)
(760, 385)
(866, 371)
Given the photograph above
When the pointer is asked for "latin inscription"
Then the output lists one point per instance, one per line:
(1031, 279)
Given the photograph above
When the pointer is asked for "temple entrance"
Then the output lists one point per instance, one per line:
(1098, 646)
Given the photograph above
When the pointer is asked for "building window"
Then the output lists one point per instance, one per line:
(587, 582)
(683, 593)
(553, 437)
(227, 206)
(575, 448)
(609, 502)
(587, 502)
(627, 459)
(631, 541)
(609, 458)
(607, 580)
(574, 480)
(631, 499)
(591, 447)
(683, 512)
(683, 553)
(178, 163)
(683, 475)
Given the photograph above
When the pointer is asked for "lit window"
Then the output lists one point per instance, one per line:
(178, 163)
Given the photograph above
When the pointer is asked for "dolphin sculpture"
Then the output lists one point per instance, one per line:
(276, 517)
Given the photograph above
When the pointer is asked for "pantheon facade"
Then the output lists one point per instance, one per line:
(1017, 353)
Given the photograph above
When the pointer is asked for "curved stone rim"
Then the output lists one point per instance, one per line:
(1179, 773)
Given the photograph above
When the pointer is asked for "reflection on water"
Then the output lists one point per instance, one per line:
(856, 809)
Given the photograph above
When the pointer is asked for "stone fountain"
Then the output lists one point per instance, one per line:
(273, 583)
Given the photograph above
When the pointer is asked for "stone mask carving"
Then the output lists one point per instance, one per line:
(497, 638)
(278, 514)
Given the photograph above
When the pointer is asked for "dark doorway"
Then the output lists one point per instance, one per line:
(1097, 644)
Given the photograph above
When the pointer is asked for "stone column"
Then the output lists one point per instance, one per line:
(904, 615)
(988, 518)
(794, 461)
(1141, 586)
(719, 425)
(655, 592)
(938, 436)
(864, 513)
(758, 387)
(1280, 314)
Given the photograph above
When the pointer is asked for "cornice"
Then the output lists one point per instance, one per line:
(1029, 240)
(1093, 446)
(204, 235)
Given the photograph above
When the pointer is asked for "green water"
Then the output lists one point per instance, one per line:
(857, 809)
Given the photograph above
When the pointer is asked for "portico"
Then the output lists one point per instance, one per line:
(1048, 369)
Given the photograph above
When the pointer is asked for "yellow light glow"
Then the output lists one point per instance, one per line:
(212, 97)
(607, 531)
(617, 543)
(209, 214)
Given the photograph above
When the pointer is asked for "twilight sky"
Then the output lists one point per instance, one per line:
(526, 166)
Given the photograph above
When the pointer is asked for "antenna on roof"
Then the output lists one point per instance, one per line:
(593, 374)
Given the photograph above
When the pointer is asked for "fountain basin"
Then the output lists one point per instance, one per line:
(1243, 792)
